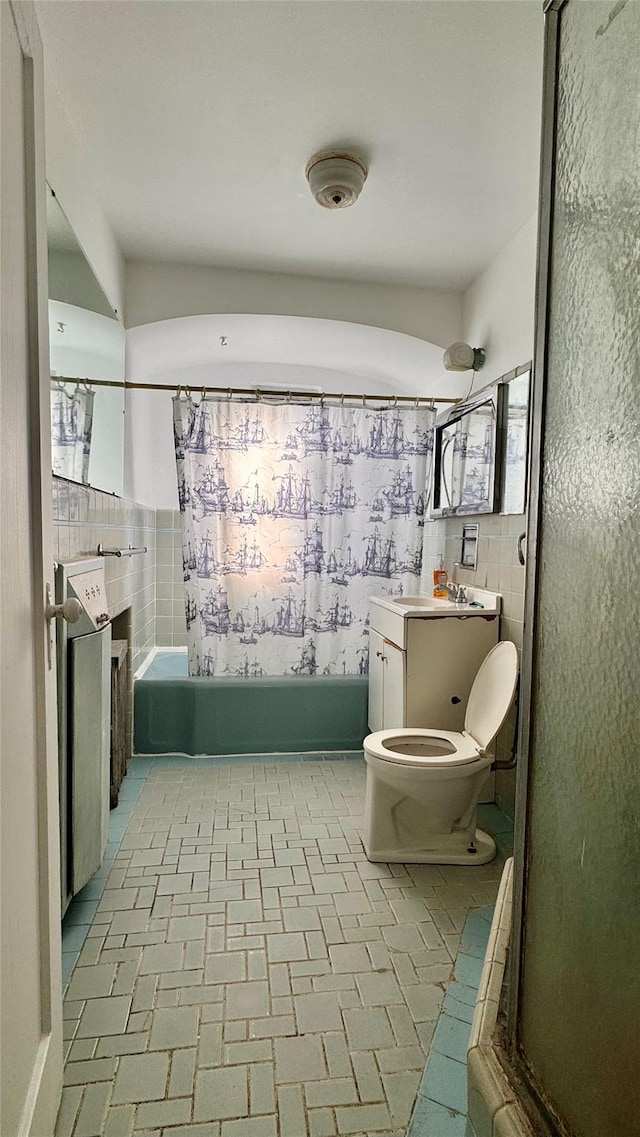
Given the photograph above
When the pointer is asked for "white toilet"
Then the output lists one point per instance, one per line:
(423, 785)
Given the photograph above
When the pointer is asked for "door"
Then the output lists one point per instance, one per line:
(575, 984)
(393, 686)
(386, 683)
(376, 680)
(30, 1014)
(90, 722)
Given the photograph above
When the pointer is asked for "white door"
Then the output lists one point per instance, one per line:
(31, 1010)
(376, 680)
(393, 699)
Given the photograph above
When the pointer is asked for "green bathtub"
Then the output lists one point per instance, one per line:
(264, 715)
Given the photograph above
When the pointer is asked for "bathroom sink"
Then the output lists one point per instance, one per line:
(478, 600)
(415, 601)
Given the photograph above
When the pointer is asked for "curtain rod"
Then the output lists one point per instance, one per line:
(253, 393)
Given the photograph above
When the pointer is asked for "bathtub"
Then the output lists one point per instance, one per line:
(177, 714)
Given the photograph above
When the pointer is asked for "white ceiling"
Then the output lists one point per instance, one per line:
(198, 117)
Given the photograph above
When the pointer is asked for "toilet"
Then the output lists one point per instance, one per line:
(423, 785)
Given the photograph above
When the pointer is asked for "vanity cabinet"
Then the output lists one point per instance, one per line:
(422, 667)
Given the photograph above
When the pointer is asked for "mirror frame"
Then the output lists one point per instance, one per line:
(506, 427)
(489, 396)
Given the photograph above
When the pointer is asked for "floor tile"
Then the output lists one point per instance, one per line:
(317, 1013)
(301, 920)
(104, 1016)
(249, 973)
(424, 1001)
(299, 1059)
(378, 989)
(91, 982)
(141, 1078)
(160, 957)
(186, 928)
(173, 1027)
(368, 1030)
(225, 967)
(220, 1094)
(247, 1000)
(349, 958)
(288, 946)
(400, 1092)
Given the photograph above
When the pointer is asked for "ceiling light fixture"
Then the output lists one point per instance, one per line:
(335, 178)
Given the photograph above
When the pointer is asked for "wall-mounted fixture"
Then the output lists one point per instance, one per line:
(469, 550)
(335, 178)
(463, 357)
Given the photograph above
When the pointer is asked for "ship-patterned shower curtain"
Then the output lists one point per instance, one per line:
(293, 515)
(71, 427)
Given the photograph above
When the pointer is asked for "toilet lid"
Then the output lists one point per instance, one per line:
(492, 694)
(428, 749)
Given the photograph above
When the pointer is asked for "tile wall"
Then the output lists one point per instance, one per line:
(170, 624)
(83, 517)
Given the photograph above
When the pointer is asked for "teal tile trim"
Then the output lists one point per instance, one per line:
(441, 1106)
(436, 1120)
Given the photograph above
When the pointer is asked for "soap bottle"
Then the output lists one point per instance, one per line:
(440, 580)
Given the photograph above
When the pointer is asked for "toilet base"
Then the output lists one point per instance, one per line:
(485, 852)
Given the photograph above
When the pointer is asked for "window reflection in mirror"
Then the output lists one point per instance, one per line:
(513, 490)
(86, 342)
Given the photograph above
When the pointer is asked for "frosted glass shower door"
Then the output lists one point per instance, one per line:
(578, 995)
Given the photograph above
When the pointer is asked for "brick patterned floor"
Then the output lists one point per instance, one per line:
(248, 973)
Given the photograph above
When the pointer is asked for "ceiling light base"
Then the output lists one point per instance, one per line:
(335, 178)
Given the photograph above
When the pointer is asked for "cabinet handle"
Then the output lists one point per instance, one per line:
(380, 655)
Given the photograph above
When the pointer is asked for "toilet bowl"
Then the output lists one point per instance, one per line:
(423, 785)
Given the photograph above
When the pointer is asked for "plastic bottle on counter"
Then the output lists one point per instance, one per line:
(440, 580)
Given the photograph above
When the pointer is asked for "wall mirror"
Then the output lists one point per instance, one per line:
(515, 441)
(465, 455)
(480, 451)
(86, 343)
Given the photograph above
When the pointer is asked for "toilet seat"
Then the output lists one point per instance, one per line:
(489, 700)
(463, 748)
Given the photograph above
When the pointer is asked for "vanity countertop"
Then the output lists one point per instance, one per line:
(425, 606)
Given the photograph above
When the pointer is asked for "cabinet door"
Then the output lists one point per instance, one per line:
(443, 657)
(90, 715)
(393, 660)
(376, 680)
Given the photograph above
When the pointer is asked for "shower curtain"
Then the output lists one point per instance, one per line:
(71, 425)
(293, 515)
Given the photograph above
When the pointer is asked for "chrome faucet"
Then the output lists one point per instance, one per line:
(457, 593)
